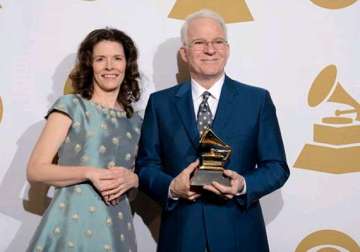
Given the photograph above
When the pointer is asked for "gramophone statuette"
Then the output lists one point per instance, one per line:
(213, 155)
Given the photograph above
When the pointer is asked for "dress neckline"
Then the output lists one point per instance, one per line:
(104, 109)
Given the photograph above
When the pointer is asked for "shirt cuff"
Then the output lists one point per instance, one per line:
(243, 191)
(171, 196)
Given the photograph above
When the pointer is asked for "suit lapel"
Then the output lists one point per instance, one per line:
(225, 105)
(185, 109)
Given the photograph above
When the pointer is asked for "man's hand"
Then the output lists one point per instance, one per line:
(180, 185)
(236, 185)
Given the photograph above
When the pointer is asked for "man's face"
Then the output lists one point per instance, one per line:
(206, 50)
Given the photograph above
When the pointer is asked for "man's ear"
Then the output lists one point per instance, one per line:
(183, 54)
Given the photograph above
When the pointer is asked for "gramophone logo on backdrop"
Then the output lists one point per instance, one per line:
(327, 241)
(233, 11)
(68, 88)
(336, 146)
(333, 4)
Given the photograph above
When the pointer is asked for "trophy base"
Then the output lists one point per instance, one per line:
(203, 177)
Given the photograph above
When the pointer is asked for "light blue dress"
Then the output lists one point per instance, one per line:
(77, 218)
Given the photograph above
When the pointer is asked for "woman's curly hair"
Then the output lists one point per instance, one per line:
(83, 75)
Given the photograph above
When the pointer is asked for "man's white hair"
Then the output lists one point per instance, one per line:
(204, 13)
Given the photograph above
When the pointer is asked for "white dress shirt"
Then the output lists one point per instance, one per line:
(215, 90)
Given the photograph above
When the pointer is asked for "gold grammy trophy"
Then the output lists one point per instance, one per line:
(213, 155)
(336, 147)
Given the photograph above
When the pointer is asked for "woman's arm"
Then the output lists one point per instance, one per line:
(40, 167)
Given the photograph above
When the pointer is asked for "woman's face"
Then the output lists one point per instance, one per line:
(109, 64)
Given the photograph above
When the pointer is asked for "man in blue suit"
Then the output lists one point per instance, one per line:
(217, 218)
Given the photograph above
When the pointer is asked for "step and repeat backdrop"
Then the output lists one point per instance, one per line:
(305, 52)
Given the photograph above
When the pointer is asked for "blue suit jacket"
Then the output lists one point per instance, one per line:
(246, 120)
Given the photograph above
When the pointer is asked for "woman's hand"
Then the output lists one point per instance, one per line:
(100, 178)
(124, 179)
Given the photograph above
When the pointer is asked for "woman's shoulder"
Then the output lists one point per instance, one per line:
(68, 99)
(139, 114)
(136, 118)
(70, 104)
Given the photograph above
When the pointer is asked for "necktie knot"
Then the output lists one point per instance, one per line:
(205, 96)
(204, 106)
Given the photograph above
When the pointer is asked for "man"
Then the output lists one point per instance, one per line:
(218, 218)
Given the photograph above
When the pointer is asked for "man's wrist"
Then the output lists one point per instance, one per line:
(171, 193)
(242, 190)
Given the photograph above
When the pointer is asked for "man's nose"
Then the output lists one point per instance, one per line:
(209, 48)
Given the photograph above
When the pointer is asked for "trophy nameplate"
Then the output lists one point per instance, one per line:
(213, 155)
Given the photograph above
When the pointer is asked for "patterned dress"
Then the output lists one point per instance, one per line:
(77, 218)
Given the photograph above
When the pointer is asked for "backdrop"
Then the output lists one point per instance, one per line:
(306, 53)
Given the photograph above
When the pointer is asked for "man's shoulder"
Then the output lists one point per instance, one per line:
(245, 87)
(169, 92)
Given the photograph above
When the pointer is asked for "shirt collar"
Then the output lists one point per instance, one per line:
(215, 90)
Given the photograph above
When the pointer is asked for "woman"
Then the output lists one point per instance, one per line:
(94, 132)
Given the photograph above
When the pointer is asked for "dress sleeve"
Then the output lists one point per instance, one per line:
(64, 104)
